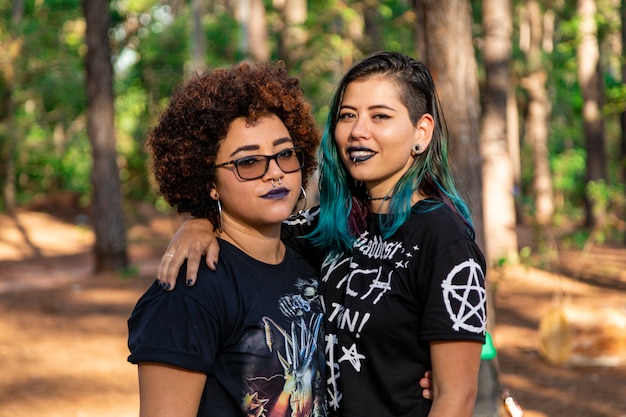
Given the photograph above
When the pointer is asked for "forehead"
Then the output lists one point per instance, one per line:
(375, 88)
(267, 131)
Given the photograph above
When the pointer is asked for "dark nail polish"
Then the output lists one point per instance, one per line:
(189, 282)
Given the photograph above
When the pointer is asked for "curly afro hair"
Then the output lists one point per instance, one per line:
(185, 140)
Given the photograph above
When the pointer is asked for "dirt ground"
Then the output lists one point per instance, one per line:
(63, 331)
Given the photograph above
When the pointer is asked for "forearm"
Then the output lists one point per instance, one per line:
(459, 403)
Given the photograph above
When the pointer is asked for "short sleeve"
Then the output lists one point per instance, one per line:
(172, 327)
(455, 307)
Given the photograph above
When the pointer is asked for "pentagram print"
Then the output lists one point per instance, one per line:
(465, 296)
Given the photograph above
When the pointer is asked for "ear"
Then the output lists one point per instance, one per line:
(424, 131)
(214, 194)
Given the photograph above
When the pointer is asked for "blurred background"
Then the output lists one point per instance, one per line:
(534, 97)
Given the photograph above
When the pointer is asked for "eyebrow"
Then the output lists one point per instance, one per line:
(246, 148)
(374, 107)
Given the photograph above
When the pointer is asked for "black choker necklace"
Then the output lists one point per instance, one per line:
(385, 198)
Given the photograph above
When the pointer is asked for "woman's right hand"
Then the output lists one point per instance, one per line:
(192, 239)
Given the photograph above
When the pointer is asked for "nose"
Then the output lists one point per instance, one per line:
(273, 170)
(360, 128)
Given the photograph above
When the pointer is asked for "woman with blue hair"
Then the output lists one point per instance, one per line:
(402, 280)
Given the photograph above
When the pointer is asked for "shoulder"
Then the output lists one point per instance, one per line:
(439, 228)
(434, 216)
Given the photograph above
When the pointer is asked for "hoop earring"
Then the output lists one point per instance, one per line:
(415, 150)
(219, 215)
(303, 192)
(299, 213)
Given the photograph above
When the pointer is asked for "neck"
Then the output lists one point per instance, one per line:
(262, 245)
(380, 205)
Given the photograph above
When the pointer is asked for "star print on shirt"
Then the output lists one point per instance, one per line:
(352, 356)
(462, 286)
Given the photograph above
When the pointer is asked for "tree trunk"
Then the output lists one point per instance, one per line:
(8, 146)
(622, 158)
(373, 22)
(198, 37)
(538, 115)
(592, 87)
(108, 219)
(498, 180)
(293, 36)
(254, 20)
(444, 44)
(513, 135)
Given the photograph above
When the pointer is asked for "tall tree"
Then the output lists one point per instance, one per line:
(444, 44)
(622, 159)
(592, 87)
(8, 136)
(108, 219)
(498, 178)
(538, 111)
(373, 24)
(292, 36)
(513, 139)
(252, 18)
(198, 37)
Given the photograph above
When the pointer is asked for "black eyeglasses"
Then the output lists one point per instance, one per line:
(255, 166)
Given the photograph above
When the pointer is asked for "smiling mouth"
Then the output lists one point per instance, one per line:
(360, 155)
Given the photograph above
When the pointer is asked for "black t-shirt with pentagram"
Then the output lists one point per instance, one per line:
(388, 299)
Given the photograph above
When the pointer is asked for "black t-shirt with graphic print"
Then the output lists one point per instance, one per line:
(388, 299)
(255, 329)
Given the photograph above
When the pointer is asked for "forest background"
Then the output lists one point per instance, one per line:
(533, 92)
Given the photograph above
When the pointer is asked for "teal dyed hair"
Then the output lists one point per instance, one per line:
(344, 209)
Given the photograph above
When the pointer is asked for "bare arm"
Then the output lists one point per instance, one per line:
(158, 399)
(455, 378)
(193, 238)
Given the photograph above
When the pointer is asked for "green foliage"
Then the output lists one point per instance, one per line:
(222, 33)
(150, 42)
(331, 46)
(568, 173)
(608, 202)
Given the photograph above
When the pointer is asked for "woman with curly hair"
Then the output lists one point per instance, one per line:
(236, 146)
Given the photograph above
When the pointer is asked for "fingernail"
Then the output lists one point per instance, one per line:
(189, 282)
(163, 285)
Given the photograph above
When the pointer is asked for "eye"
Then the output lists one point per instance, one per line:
(344, 116)
(381, 116)
(248, 161)
(287, 153)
